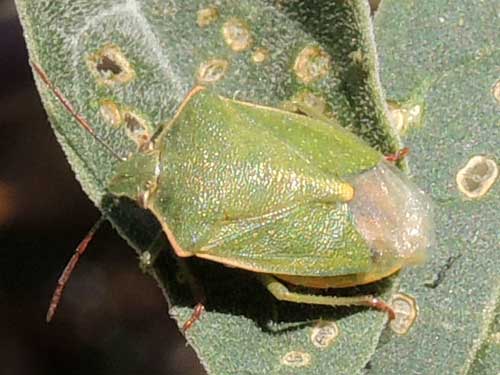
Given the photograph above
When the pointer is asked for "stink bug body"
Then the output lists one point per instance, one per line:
(282, 195)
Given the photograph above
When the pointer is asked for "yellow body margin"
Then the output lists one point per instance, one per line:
(341, 281)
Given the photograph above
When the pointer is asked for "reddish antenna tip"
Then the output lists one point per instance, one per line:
(68, 270)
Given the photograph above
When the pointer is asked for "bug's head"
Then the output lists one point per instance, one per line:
(393, 215)
(136, 177)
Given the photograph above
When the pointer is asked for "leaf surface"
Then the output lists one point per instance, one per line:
(443, 57)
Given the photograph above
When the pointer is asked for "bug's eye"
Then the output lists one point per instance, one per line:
(392, 214)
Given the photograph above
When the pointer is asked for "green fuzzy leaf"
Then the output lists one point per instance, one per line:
(140, 59)
(443, 56)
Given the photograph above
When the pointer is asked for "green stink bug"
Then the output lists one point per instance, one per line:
(285, 196)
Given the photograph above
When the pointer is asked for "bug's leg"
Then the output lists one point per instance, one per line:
(398, 155)
(146, 262)
(195, 316)
(309, 111)
(281, 292)
(197, 292)
(148, 258)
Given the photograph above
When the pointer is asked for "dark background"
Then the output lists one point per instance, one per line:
(113, 319)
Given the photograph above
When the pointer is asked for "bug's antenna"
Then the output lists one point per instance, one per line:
(65, 102)
(70, 266)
